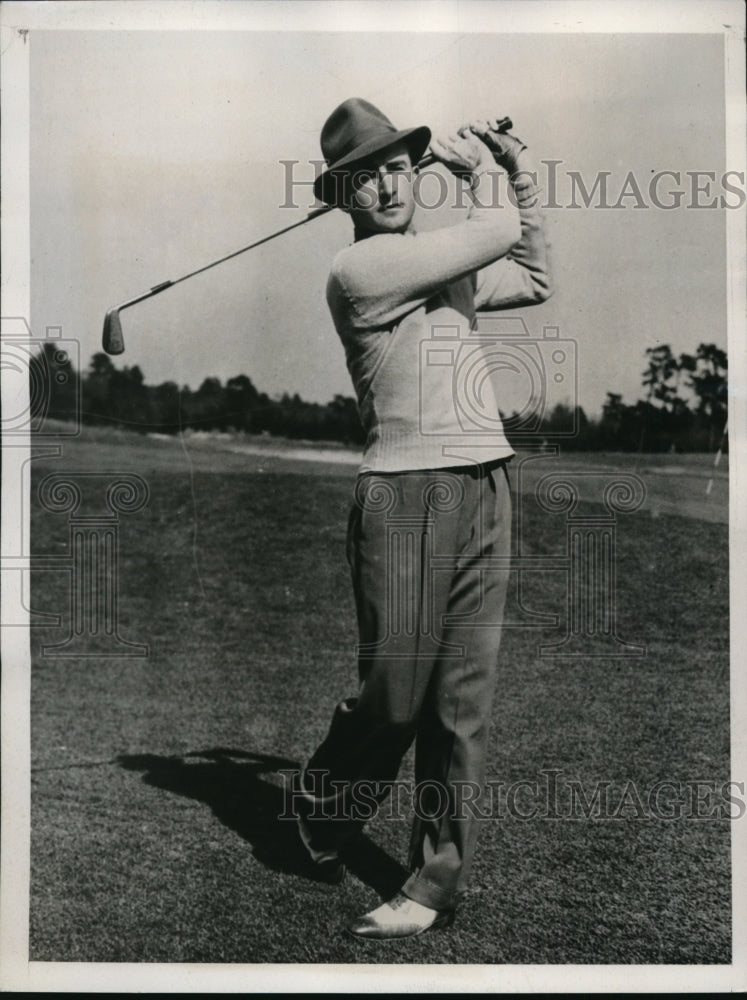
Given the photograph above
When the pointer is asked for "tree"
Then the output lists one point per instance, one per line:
(129, 398)
(101, 365)
(612, 412)
(241, 398)
(209, 405)
(164, 407)
(662, 367)
(343, 422)
(96, 389)
(708, 380)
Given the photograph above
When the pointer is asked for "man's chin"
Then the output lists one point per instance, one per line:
(392, 221)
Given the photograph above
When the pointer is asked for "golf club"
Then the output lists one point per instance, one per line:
(113, 338)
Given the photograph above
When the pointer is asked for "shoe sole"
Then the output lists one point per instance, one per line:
(441, 922)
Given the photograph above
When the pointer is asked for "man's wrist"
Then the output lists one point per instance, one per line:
(512, 158)
(520, 166)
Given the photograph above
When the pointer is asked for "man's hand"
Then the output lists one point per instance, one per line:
(504, 147)
(462, 152)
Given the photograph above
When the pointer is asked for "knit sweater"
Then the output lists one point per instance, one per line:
(404, 307)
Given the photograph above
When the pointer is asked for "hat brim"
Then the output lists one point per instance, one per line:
(329, 185)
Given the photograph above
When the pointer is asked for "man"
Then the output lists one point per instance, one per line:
(429, 532)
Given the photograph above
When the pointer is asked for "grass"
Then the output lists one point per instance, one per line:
(156, 785)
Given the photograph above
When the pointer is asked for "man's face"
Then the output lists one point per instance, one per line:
(382, 198)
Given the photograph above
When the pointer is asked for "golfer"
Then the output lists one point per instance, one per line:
(429, 531)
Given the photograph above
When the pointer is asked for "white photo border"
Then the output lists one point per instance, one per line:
(19, 21)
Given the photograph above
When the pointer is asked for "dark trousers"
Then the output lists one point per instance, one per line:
(430, 609)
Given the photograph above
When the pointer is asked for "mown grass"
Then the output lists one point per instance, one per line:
(156, 786)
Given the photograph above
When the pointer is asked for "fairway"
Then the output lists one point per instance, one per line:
(156, 781)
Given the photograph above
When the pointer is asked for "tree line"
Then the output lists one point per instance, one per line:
(107, 395)
(683, 408)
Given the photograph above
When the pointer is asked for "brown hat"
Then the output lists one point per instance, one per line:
(353, 133)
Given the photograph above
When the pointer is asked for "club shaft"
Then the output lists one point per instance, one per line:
(206, 267)
(317, 213)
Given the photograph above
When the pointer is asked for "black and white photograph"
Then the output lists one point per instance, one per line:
(373, 457)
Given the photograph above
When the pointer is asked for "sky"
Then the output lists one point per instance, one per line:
(153, 153)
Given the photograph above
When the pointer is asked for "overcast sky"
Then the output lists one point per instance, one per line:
(153, 153)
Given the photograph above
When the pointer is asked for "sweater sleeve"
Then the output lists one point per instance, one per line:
(380, 279)
(522, 277)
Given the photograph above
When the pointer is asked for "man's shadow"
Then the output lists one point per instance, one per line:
(229, 781)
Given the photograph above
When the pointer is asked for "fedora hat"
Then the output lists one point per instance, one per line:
(354, 132)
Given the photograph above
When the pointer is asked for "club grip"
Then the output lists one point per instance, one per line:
(504, 124)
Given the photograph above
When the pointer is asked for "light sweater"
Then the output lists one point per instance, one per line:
(404, 307)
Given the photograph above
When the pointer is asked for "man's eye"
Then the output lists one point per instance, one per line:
(363, 177)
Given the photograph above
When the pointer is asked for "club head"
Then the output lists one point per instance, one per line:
(112, 338)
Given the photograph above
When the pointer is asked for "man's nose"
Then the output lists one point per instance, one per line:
(387, 183)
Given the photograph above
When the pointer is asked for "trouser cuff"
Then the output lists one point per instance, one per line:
(316, 854)
(429, 894)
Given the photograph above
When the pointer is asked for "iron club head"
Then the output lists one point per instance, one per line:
(112, 338)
